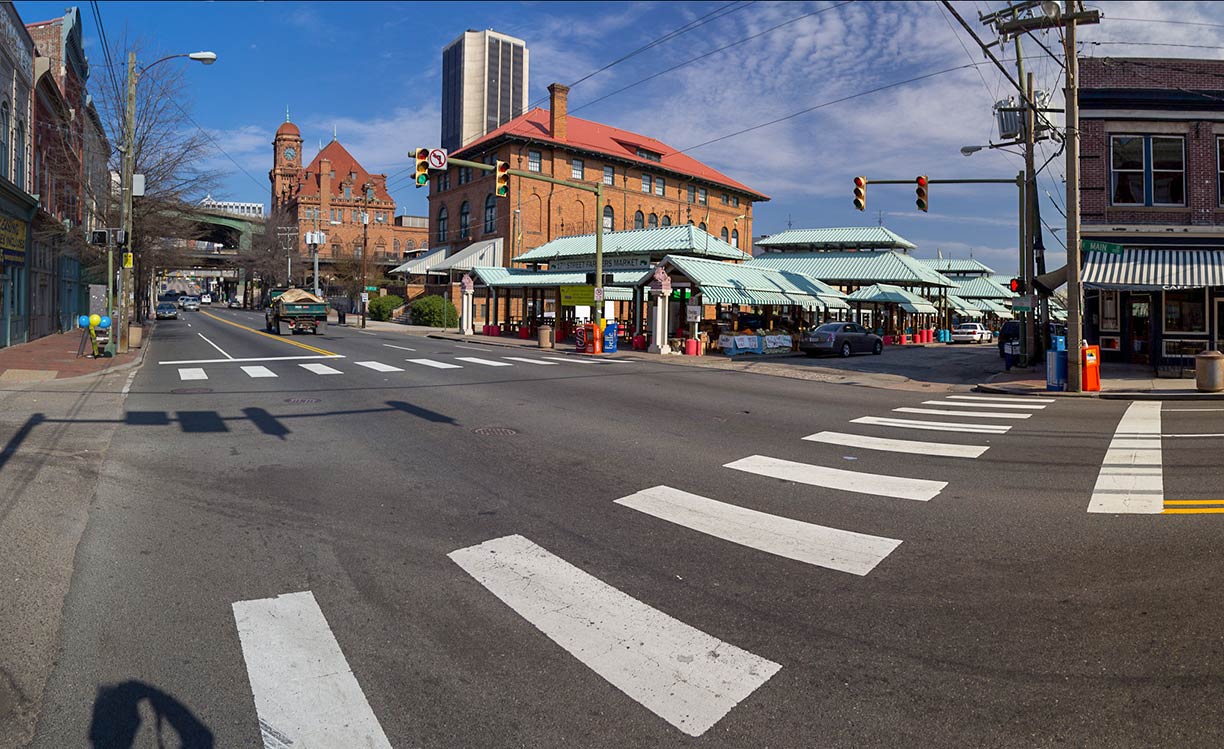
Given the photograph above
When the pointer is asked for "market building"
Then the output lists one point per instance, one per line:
(1152, 195)
(17, 205)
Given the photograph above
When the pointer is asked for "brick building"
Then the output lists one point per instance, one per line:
(331, 195)
(646, 184)
(1151, 180)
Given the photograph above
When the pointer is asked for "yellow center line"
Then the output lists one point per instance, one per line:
(1194, 501)
(1196, 511)
(282, 339)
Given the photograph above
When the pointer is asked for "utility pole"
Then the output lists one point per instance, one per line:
(126, 291)
(365, 249)
(1075, 323)
(1031, 336)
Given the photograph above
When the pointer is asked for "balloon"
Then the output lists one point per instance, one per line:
(94, 320)
(83, 321)
(105, 322)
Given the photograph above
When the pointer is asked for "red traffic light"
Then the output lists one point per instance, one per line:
(921, 192)
(860, 193)
(860, 181)
(922, 181)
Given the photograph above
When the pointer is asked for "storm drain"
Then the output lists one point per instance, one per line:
(301, 401)
(495, 432)
(191, 391)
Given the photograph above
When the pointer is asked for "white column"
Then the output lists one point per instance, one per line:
(658, 324)
(465, 321)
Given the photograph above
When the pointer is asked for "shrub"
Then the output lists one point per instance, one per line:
(382, 306)
(434, 311)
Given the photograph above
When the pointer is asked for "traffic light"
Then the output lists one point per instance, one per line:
(422, 167)
(860, 193)
(1016, 286)
(922, 193)
(502, 170)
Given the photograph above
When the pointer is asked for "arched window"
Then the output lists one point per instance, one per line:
(735, 237)
(442, 216)
(702, 226)
(4, 139)
(666, 220)
(690, 222)
(639, 220)
(19, 155)
(490, 214)
(653, 221)
(410, 244)
(608, 218)
(723, 234)
(395, 244)
(465, 220)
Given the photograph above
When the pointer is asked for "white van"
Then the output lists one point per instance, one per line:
(206, 299)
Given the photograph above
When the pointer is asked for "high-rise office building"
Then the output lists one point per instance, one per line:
(484, 85)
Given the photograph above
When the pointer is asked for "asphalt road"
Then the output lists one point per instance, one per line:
(398, 536)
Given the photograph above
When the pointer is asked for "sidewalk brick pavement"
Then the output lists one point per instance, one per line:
(55, 357)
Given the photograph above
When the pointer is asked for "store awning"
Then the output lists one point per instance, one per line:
(742, 284)
(883, 293)
(726, 295)
(963, 307)
(1153, 270)
(520, 278)
(918, 309)
(994, 308)
(417, 266)
(484, 253)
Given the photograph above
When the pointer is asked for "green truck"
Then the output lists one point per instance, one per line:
(302, 311)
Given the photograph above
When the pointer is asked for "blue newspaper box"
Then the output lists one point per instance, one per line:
(609, 346)
(1060, 343)
(1056, 370)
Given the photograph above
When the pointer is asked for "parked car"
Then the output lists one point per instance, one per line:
(182, 301)
(192, 303)
(1010, 332)
(235, 304)
(971, 332)
(166, 311)
(842, 338)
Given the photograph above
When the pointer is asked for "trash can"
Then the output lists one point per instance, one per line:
(1209, 372)
(1056, 370)
(1090, 368)
(691, 347)
(609, 338)
(545, 336)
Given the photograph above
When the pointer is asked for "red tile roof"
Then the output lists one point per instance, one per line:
(342, 162)
(597, 138)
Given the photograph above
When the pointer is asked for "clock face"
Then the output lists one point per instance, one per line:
(290, 154)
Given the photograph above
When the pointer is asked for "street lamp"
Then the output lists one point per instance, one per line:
(366, 189)
(129, 166)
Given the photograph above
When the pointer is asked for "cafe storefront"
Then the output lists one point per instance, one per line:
(16, 209)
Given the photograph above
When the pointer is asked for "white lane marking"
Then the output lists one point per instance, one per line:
(685, 676)
(486, 362)
(1001, 398)
(1132, 474)
(1014, 406)
(127, 386)
(531, 361)
(210, 343)
(567, 359)
(305, 693)
(255, 358)
(258, 372)
(377, 366)
(1209, 434)
(473, 348)
(189, 325)
(615, 361)
(933, 426)
(835, 478)
(1167, 410)
(192, 373)
(835, 549)
(435, 364)
(366, 332)
(966, 414)
(401, 348)
(913, 447)
(320, 369)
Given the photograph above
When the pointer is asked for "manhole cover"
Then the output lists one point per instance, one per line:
(299, 401)
(191, 391)
(495, 431)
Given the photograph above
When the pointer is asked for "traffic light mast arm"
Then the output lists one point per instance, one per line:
(524, 174)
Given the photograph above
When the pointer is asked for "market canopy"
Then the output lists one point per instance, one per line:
(1153, 270)
(844, 238)
(483, 253)
(958, 266)
(684, 239)
(520, 278)
(882, 293)
(981, 288)
(856, 268)
(419, 265)
(963, 306)
(735, 283)
(994, 308)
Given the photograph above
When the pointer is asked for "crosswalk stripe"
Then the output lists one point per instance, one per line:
(913, 447)
(688, 678)
(258, 372)
(966, 414)
(836, 478)
(320, 369)
(832, 548)
(1131, 479)
(568, 359)
(1001, 398)
(377, 366)
(192, 373)
(435, 364)
(933, 426)
(305, 693)
(960, 404)
(486, 362)
(531, 361)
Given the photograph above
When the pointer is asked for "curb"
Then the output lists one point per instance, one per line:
(139, 360)
(1004, 390)
(1128, 395)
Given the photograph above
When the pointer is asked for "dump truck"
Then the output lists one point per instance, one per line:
(299, 309)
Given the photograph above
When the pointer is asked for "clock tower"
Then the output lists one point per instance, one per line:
(286, 163)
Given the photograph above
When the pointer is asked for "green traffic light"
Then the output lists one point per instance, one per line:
(422, 180)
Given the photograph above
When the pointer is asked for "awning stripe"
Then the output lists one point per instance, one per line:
(1154, 270)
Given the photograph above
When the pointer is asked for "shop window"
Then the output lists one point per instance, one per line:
(1109, 311)
(1147, 170)
(1185, 311)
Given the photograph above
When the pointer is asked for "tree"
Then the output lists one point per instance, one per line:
(434, 311)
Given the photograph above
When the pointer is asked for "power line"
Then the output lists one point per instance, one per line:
(1179, 23)
(213, 140)
(1156, 44)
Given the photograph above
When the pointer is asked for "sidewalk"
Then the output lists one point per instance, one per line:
(55, 357)
(1118, 381)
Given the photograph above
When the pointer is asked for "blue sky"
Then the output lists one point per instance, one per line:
(371, 70)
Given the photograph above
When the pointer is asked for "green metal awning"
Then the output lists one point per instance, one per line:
(519, 278)
(741, 283)
(918, 309)
(727, 295)
(994, 308)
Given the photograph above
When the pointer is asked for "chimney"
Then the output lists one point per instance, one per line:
(558, 96)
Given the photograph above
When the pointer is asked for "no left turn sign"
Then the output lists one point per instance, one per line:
(437, 158)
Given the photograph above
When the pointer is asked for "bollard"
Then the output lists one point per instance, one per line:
(1209, 372)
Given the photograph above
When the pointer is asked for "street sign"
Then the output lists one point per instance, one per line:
(365, 298)
(127, 260)
(1095, 245)
(371, 288)
(1022, 303)
(692, 313)
(437, 158)
(598, 294)
(577, 296)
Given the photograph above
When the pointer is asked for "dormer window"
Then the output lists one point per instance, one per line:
(642, 153)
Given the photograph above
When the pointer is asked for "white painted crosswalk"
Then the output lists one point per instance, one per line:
(320, 369)
(192, 373)
(912, 447)
(483, 362)
(378, 366)
(832, 548)
(258, 371)
(1131, 479)
(837, 478)
(1001, 398)
(972, 404)
(434, 364)
(933, 426)
(974, 415)
(687, 677)
(527, 360)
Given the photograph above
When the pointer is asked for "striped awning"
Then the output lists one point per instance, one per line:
(1153, 270)
(923, 309)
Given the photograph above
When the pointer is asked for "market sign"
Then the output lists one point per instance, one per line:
(1095, 245)
(12, 240)
(577, 296)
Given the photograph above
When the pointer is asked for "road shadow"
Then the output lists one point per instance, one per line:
(118, 717)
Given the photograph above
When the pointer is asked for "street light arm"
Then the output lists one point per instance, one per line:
(208, 58)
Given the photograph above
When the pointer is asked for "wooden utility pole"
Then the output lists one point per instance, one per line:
(1075, 322)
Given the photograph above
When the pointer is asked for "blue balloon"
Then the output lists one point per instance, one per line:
(105, 322)
(83, 321)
